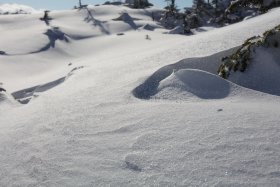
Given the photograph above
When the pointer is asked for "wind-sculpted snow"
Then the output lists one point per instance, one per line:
(177, 81)
(24, 96)
(91, 131)
(264, 72)
(150, 87)
(256, 63)
(199, 83)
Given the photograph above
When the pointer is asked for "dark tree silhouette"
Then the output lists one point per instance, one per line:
(171, 7)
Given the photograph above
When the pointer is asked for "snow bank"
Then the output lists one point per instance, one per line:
(208, 64)
(191, 82)
(256, 64)
(16, 9)
(263, 74)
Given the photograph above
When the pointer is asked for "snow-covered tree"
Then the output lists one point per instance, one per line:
(239, 9)
(138, 3)
(171, 7)
(197, 4)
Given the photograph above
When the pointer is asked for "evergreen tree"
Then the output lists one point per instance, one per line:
(197, 5)
(141, 3)
(215, 4)
(171, 7)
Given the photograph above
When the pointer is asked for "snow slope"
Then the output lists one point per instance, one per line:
(16, 9)
(263, 72)
(85, 127)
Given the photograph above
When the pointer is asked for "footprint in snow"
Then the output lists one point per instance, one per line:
(131, 162)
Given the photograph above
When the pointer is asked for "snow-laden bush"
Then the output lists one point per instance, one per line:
(240, 60)
(241, 7)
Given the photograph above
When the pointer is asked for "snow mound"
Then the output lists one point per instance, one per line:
(196, 78)
(16, 9)
(209, 64)
(192, 82)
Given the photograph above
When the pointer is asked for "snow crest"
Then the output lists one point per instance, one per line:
(16, 9)
(195, 82)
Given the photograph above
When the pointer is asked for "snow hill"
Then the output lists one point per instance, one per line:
(105, 97)
(16, 9)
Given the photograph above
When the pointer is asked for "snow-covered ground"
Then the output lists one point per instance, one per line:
(112, 103)
(16, 9)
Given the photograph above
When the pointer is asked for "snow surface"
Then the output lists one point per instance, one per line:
(106, 106)
(263, 73)
(16, 9)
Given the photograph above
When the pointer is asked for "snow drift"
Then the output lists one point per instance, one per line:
(193, 82)
(263, 74)
(260, 54)
(256, 63)
(90, 131)
(192, 79)
(208, 64)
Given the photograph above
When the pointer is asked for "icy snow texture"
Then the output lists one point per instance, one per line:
(91, 130)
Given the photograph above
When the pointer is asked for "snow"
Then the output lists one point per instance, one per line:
(263, 73)
(189, 83)
(176, 30)
(16, 9)
(99, 125)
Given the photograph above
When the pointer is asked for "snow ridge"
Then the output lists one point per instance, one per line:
(16, 9)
